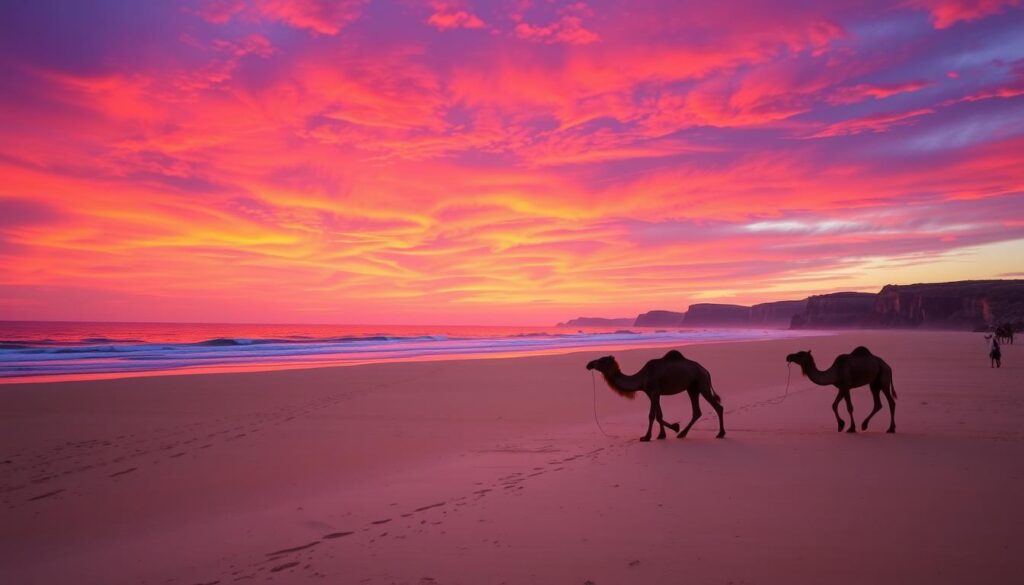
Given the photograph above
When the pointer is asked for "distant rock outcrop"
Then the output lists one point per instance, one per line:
(964, 304)
(968, 304)
(717, 315)
(836, 310)
(659, 319)
(597, 322)
(777, 314)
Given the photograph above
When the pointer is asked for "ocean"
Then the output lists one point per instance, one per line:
(50, 351)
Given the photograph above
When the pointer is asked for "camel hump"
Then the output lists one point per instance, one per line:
(861, 350)
(673, 355)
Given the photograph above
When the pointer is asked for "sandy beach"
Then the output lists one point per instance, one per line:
(493, 471)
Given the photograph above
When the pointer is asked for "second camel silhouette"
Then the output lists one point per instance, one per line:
(851, 370)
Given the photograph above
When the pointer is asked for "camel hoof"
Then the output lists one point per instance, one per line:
(891, 430)
(674, 427)
(681, 435)
(864, 426)
(842, 425)
(720, 435)
(645, 439)
(661, 436)
(852, 429)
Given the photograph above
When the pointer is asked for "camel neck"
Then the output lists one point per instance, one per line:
(620, 381)
(826, 378)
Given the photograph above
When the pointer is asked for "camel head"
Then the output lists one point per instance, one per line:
(804, 359)
(609, 368)
(605, 365)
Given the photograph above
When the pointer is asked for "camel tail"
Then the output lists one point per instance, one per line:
(718, 398)
(892, 382)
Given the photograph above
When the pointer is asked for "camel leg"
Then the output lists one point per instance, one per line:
(658, 416)
(892, 410)
(715, 404)
(650, 422)
(835, 410)
(695, 403)
(875, 394)
(849, 409)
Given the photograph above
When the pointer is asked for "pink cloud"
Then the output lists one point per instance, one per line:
(946, 13)
(874, 123)
(326, 17)
(857, 93)
(321, 16)
(449, 15)
(568, 28)
(1010, 89)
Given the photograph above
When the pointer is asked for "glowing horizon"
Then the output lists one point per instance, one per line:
(512, 162)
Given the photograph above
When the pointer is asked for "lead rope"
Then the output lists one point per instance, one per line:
(780, 400)
(593, 383)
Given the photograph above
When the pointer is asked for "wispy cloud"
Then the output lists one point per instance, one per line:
(375, 161)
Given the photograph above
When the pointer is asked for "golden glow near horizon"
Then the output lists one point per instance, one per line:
(511, 162)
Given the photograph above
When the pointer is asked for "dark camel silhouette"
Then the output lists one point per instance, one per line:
(852, 370)
(659, 377)
(1004, 334)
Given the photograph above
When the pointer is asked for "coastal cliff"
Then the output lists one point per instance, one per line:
(716, 315)
(842, 309)
(659, 319)
(597, 322)
(968, 304)
(965, 304)
(777, 314)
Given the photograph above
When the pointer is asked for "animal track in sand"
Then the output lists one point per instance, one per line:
(280, 568)
(76, 457)
(46, 495)
(434, 513)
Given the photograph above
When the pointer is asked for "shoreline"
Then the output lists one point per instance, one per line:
(492, 470)
(330, 360)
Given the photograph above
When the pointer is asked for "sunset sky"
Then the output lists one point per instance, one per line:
(499, 162)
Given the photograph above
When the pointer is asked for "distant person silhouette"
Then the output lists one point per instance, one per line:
(994, 352)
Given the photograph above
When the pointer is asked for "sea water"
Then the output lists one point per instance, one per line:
(45, 351)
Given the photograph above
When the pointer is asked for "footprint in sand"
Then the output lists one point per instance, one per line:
(285, 551)
(46, 495)
(284, 566)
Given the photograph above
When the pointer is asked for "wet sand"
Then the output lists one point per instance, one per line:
(493, 471)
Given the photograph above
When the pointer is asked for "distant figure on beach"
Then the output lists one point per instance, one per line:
(995, 353)
(851, 370)
(659, 377)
